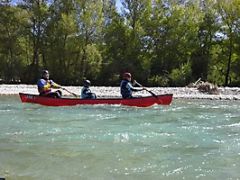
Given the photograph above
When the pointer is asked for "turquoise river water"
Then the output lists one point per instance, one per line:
(190, 139)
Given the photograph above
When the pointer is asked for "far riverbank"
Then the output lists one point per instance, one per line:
(226, 93)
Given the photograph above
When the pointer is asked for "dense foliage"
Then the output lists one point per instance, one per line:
(161, 42)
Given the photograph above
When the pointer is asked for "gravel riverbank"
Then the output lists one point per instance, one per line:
(226, 93)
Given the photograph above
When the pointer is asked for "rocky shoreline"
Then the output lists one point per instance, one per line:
(225, 93)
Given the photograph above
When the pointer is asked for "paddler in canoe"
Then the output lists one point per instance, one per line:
(127, 87)
(45, 86)
(86, 92)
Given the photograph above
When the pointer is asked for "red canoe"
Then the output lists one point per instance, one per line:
(164, 99)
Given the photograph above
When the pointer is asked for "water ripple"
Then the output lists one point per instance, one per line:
(191, 139)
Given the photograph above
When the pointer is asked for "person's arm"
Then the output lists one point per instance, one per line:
(54, 85)
(88, 91)
(134, 88)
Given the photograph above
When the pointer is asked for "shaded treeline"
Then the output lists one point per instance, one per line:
(161, 42)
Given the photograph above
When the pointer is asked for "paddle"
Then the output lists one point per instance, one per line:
(70, 92)
(146, 89)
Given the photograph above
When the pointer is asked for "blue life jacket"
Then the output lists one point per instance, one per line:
(87, 94)
(126, 89)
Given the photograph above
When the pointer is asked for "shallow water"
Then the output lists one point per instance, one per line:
(190, 139)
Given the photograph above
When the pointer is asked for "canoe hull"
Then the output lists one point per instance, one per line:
(164, 99)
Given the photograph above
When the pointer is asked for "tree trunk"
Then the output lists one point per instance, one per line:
(229, 61)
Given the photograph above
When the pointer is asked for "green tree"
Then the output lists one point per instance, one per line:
(206, 38)
(37, 15)
(163, 43)
(11, 42)
(229, 13)
(61, 44)
(172, 31)
(134, 14)
(89, 17)
(114, 46)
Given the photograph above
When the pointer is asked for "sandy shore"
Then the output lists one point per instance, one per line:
(226, 93)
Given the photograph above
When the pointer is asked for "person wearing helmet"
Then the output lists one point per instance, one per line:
(45, 86)
(86, 92)
(127, 87)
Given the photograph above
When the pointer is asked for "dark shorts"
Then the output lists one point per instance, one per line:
(127, 96)
(90, 96)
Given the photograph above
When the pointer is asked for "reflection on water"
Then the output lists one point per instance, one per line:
(190, 139)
